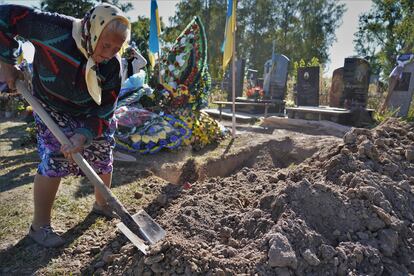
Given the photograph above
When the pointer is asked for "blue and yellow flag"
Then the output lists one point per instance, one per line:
(155, 30)
(229, 32)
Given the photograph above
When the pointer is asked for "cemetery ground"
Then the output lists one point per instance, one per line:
(270, 202)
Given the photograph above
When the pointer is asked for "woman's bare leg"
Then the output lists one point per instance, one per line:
(44, 194)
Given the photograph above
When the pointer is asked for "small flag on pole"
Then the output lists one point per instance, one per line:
(155, 30)
(229, 32)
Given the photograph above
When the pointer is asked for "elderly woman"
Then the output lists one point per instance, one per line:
(77, 79)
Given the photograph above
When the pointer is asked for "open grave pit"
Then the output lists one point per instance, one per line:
(348, 209)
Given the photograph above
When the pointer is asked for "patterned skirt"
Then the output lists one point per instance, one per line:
(53, 164)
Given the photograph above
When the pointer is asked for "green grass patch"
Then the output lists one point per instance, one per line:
(15, 212)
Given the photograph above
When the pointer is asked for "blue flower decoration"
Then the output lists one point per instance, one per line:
(136, 145)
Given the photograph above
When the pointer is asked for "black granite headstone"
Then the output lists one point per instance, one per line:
(275, 77)
(356, 82)
(252, 76)
(240, 66)
(308, 86)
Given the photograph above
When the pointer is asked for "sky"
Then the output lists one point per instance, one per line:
(340, 49)
(344, 47)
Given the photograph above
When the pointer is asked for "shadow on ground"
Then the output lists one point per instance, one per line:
(18, 170)
(26, 257)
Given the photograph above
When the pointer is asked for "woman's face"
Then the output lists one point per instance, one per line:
(109, 43)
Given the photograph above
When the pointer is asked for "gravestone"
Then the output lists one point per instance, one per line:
(308, 86)
(260, 82)
(252, 76)
(275, 77)
(403, 92)
(228, 83)
(356, 82)
(337, 88)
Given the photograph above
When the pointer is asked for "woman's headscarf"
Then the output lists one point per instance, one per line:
(86, 33)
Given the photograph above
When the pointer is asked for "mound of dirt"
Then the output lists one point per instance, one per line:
(347, 210)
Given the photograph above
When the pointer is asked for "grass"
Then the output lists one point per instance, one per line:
(71, 214)
(410, 115)
(292, 166)
(16, 177)
(375, 101)
(216, 94)
(15, 213)
(381, 117)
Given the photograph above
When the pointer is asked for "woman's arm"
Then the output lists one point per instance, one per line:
(28, 23)
(9, 74)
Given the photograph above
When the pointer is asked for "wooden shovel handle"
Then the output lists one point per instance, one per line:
(111, 200)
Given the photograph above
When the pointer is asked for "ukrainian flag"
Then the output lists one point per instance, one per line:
(155, 30)
(229, 32)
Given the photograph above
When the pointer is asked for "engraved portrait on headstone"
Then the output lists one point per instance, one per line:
(402, 92)
(308, 86)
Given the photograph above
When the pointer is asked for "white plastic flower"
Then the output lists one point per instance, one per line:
(180, 59)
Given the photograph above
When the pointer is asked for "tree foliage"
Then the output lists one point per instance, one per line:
(302, 63)
(75, 8)
(125, 7)
(384, 32)
(78, 8)
(302, 29)
(140, 34)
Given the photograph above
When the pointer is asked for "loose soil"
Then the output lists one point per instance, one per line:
(270, 202)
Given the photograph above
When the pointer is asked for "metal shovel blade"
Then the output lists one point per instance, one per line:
(119, 156)
(150, 231)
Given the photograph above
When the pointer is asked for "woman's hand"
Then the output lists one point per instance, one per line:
(78, 141)
(9, 74)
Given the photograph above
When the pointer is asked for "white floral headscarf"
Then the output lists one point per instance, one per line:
(86, 33)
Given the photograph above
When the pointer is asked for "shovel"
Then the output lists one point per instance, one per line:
(140, 228)
(119, 156)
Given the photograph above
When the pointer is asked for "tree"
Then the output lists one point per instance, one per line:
(125, 7)
(78, 8)
(318, 21)
(140, 34)
(384, 32)
(254, 31)
(75, 8)
(301, 29)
